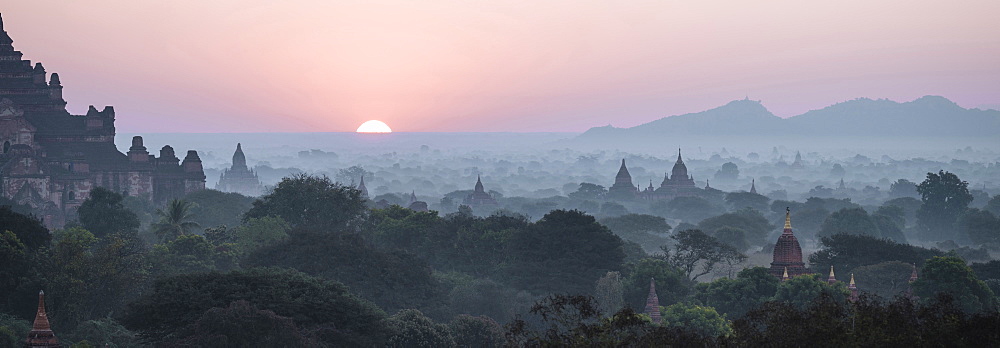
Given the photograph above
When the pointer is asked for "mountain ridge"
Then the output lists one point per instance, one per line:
(925, 116)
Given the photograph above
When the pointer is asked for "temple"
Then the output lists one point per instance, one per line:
(239, 178)
(653, 303)
(623, 188)
(416, 205)
(41, 334)
(362, 188)
(479, 197)
(51, 160)
(677, 184)
(787, 253)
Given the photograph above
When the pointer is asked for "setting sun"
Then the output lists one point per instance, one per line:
(374, 126)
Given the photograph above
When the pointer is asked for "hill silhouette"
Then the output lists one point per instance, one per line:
(927, 116)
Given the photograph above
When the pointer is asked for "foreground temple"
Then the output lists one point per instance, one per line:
(787, 260)
(51, 160)
(41, 334)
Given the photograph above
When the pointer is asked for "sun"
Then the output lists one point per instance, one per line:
(374, 126)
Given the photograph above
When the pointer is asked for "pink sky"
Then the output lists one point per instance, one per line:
(470, 65)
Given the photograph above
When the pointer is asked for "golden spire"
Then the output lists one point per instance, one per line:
(831, 272)
(785, 276)
(788, 218)
(852, 281)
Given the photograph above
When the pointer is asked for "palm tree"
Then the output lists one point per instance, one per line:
(175, 221)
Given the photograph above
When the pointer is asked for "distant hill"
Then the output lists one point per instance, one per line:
(926, 116)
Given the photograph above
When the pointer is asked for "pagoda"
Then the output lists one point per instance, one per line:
(479, 197)
(788, 253)
(41, 334)
(623, 187)
(239, 178)
(51, 160)
(653, 303)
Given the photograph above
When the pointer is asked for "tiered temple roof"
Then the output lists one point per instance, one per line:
(788, 252)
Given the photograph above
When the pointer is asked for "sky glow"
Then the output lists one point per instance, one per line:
(441, 66)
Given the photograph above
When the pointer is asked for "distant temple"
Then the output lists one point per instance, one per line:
(415, 204)
(51, 160)
(479, 197)
(239, 178)
(678, 184)
(623, 188)
(362, 188)
(787, 253)
(41, 334)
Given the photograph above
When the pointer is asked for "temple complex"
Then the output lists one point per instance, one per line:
(787, 253)
(51, 160)
(41, 334)
(677, 184)
(239, 178)
(479, 197)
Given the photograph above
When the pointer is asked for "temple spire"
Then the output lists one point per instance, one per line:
(913, 276)
(753, 186)
(41, 334)
(853, 288)
(362, 188)
(679, 160)
(479, 184)
(653, 302)
(832, 279)
(788, 220)
(784, 276)
(239, 159)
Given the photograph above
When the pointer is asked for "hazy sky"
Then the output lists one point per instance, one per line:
(481, 65)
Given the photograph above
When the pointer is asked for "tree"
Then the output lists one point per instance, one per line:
(981, 226)
(403, 281)
(647, 230)
(589, 191)
(734, 237)
(903, 188)
(800, 291)
(754, 225)
(255, 233)
(175, 221)
(751, 288)
(993, 205)
(609, 293)
(691, 209)
(190, 254)
(28, 229)
(849, 221)
(352, 175)
(694, 247)
(565, 251)
(728, 172)
(105, 332)
(310, 201)
(410, 328)
(845, 251)
(944, 198)
(242, 324)
(177, 301)
(672, 284)
(217, 208)
(482, 331)
(950, 275)
(886, 279)
(103, 214)
(703, 320)
(741, 200)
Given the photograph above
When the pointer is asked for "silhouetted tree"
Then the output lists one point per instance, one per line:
(944, 198)
(104, 214)
(26, 228)
(311, 201)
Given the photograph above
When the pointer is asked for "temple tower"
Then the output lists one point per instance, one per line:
(623, 187)
(362, 188)
(854, 289)
(653, 303)
(753, 186)
(479, 197)
(831, 279)
(239, 178)
(41, 334)
(788, 252)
